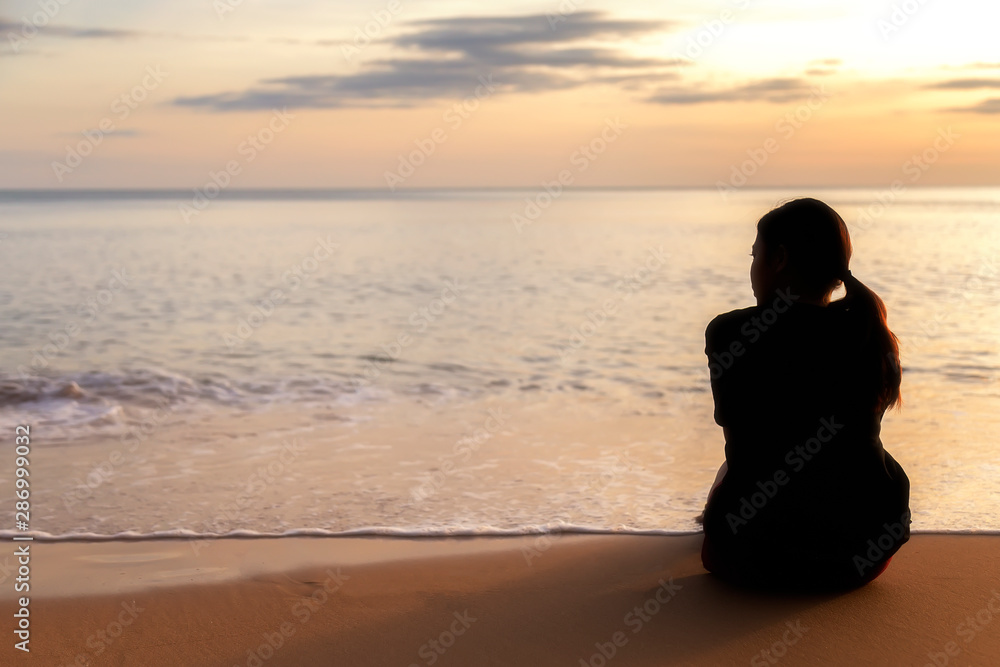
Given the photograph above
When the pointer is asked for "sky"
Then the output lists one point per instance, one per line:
(393, 94)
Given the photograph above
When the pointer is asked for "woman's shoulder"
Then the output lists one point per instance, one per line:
(796, 320)
(725, 328)
(732, 319)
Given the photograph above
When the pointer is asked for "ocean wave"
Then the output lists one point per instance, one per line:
(108, 402)
(460, 531)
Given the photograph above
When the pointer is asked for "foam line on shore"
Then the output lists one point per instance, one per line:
(430, 533)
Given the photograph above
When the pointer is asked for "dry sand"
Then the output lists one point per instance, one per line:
(520, 601)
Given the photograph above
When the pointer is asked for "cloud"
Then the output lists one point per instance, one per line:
(990, 106)
(778, 90)
(964, 84)
(823, 67)
(123, 132)
(447, 58)
(66, 31)
(14, 35)
(987, 106)
(488, 37)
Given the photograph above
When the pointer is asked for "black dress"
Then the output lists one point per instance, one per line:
(810, 496)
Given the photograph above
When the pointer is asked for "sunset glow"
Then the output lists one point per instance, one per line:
(155, 94)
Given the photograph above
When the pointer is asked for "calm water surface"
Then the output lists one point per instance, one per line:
(354, 316)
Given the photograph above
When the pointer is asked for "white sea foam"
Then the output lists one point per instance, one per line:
(386, 532)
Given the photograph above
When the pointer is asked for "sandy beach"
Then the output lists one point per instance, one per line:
(534, 600)
(418, 334)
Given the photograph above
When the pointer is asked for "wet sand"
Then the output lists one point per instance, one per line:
(555, 600)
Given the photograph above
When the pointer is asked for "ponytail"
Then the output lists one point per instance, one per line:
(870, 312)
(819, 248)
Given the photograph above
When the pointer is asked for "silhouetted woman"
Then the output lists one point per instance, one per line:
(807, 497)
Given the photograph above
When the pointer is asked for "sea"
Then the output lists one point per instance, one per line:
(445, 362)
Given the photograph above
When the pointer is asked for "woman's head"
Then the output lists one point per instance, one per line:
(804, 246)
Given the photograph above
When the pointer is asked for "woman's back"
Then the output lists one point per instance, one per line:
(799, 389)
(807, 476)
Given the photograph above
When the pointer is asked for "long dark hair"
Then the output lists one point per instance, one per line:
(819, 252)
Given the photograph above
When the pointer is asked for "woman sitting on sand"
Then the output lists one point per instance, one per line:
(807, 496)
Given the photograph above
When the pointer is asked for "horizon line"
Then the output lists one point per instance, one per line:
(30, 193)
